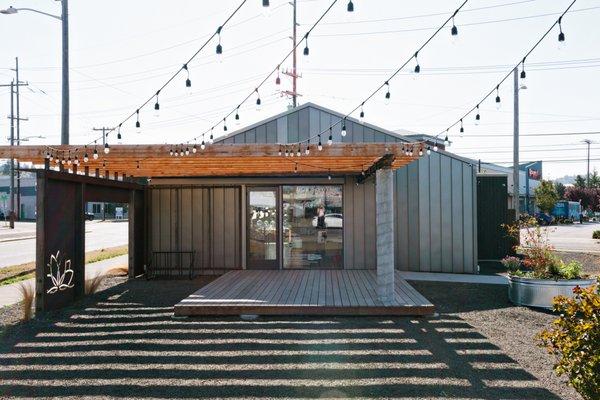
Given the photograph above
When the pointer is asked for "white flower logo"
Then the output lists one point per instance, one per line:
(59, 279)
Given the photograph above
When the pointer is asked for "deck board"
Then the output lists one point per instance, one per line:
(301, 292)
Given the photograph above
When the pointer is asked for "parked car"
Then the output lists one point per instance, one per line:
(89, 216)
(331, 221)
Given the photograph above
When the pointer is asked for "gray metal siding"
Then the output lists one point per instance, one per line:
(435, 198)
(205, 220)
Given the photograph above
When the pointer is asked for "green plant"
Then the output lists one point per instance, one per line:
(574, 339)
(27, 297)
(571, 270)
(596, 235)
(546, 196)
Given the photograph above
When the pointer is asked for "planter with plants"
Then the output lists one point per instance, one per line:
(538, 275)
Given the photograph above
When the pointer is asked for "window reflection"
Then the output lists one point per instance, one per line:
(312, 227)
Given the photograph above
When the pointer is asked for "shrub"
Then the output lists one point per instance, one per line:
(574, 339)
(27, 297)
(571, 270)
(596, 235)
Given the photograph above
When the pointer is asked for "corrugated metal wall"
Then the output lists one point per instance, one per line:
(435, 197)
(205, 220)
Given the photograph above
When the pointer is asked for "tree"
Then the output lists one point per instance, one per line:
(580, 182)
(588, 197)
(594, 179)
(560, 190)
(546, 196)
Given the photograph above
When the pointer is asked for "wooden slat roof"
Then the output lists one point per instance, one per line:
(221, 159)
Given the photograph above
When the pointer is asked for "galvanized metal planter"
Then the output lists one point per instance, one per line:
(540, 292)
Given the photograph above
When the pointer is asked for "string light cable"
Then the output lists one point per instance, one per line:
(387, 82)
(496, 88)
(255, 92)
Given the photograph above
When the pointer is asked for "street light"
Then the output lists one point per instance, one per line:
(64, 18)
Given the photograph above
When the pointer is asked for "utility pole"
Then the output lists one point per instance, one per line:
(19, 119)
(294, 72)
(588, 142)
(12, 142)
(64, 129)
(516, 191)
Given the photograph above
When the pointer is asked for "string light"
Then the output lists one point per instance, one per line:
(188, 82)
(171, 151)
(280, 150)
(119, 132)
(523, 73)
(454, 30)
(462, 128)
(417, 67)
(350, 7)
(95, 155)
(257, 99)
(362, 110)
(295, 168)
(387, 94)
(287, 152)
(435, 147)
(330, 138)
(85, 157)
(477, 116)
(195, 149)
(138, 164)
(69, 159)
(219, 49)
(446, 141)
(428, 150)
(106, 148)
(76, 160)
(224, 125)
(138, 126)
(329, 174)
(299, 152)
(104, 163)
(320, 145)
(237, 115)
(278, 79)
(306, 51)
(307, 150)
(561, 35)
(344, 132)
(202, 145)
(211, 138)
(187, 151)
(156, 105)
(498, 105)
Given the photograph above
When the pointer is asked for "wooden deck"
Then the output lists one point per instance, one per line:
(301, 292)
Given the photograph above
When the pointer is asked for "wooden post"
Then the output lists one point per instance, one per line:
(74, 169)
(106, 174)
(384, 194)
(97, 172)
(86, 170)
(116, 176)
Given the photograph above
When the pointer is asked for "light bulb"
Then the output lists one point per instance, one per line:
(95, 154)
(344, 131)
(106, 148)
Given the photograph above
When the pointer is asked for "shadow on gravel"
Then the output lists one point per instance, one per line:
(126, 344)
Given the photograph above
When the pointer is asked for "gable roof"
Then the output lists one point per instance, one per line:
(320, 108)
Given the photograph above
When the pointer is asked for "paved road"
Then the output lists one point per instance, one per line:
(18, 246)
(576, 237)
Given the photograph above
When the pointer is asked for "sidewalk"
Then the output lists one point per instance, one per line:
(9, 294)
(454, 278)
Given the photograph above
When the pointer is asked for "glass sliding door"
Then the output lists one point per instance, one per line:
(263, 228)
(312, 226)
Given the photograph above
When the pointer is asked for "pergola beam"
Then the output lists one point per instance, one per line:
(387, 161)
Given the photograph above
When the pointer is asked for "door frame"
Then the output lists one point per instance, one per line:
(277, 263)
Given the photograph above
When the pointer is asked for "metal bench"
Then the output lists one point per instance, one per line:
(171, 264)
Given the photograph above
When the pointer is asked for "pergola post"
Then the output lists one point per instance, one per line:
(384, 179)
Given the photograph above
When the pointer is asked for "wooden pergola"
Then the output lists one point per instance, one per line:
(218, 159)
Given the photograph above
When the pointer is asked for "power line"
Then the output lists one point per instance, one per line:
(386, 83)
(521, 62)
(535, 134)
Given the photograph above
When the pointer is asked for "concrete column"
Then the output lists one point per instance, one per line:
(385, 234)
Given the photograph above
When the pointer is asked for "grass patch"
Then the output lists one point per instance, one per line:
(21, 272)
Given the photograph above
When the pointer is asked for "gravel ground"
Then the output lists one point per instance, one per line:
(124, 342)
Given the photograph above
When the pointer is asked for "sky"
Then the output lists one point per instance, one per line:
(121, 52)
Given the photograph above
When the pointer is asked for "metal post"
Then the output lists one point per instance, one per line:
(516, 145)
(12, 160)
(18, 216)
(588, 142)
(64, 137)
